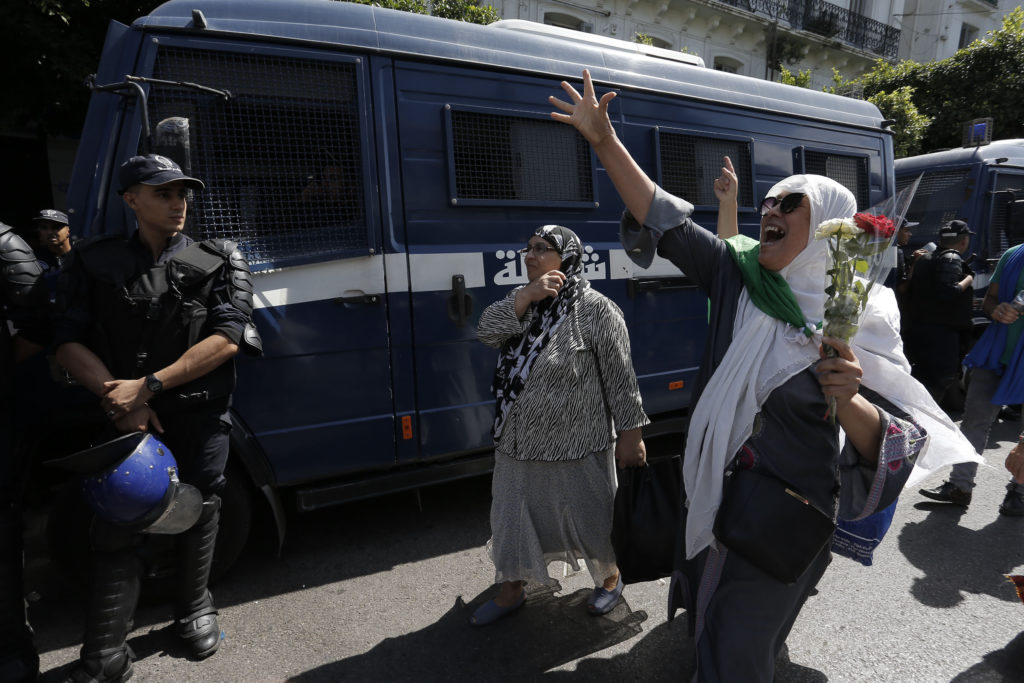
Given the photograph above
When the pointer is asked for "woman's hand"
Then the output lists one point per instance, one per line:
(588, 115)
(727, 184)
(547, 285)
(1015, 463)
(839, 376)
(629, 449)
(1005, 313)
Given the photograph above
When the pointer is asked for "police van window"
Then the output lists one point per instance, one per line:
(938, 199)
(281, 159)
(850, 172)
(1005, 224)
(501, 159)
(689, 165)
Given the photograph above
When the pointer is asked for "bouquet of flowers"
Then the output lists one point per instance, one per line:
(859, 249)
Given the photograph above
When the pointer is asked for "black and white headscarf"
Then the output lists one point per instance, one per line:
(519, 353)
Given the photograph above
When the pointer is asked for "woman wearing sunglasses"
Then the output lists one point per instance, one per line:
(568, 408)
(762, 392)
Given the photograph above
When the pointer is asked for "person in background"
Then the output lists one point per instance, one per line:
(151, 325)
(762, 391)
(939, 304)
(899, 276)
(996, 367)
(22, 310)
(53, 237)
(568, 408)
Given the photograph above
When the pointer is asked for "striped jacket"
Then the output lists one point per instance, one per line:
(581, 389)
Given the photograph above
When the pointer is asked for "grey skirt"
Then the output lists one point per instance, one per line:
(543, 512)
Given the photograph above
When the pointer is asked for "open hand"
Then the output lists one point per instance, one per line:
(588, 115)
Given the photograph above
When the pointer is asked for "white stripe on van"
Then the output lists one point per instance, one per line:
(364, 275)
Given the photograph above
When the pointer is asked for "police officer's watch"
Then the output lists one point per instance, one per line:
(153, 384)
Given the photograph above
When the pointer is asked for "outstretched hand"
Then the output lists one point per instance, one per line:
(586, 113)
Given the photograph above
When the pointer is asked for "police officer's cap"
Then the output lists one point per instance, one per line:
(955, 228)
(153, 169)
(51, 216)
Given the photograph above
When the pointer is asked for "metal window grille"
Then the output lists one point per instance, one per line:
(850, 172)
(510, 158)
(1003, 235)
(937, 201)
(281, 160)
(690, 164)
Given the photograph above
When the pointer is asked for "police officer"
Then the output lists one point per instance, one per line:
(938, 309)
(22, 306)
(53, 236)
(151, 324)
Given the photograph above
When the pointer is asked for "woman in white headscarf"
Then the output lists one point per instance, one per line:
(763, 390)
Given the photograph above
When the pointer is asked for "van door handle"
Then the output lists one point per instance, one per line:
(639, 285)
(460, 304)
(361, 299)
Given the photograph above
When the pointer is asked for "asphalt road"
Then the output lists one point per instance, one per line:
(380, 591)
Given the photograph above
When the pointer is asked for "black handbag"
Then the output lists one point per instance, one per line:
(647, 512)
(771, 525)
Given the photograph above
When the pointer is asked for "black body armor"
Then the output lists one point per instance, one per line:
(146, 321)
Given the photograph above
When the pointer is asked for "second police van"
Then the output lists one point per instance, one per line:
(380, 170)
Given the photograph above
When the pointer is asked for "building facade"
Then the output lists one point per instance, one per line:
(743, 36)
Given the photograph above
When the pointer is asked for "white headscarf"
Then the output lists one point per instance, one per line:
(766, 352)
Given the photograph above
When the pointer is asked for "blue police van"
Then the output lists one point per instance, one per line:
(980, 184)
(380, 170)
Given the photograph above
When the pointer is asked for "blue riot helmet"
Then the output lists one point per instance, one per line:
(133, 481)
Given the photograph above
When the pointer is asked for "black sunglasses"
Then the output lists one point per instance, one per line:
(787, 204)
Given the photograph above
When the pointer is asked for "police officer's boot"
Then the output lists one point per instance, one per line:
(19, 661)
(195, 614)
(105, 656)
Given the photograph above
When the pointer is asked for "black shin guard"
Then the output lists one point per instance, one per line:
(194, 609)
(105, 654)
(18, 658)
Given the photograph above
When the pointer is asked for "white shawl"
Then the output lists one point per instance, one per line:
(766, 352)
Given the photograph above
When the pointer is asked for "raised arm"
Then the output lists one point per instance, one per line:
(590, 117)
(726, 190)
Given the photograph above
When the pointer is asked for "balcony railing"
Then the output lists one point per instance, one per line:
(828, 21)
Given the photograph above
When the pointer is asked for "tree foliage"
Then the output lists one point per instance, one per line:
(801, 79)
(984, 79)
(909, 123)
(49, 47)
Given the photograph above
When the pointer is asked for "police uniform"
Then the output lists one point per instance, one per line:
(935, 315)
(139, 315)
(22, 306)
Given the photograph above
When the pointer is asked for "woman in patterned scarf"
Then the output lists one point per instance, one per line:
(568, 407)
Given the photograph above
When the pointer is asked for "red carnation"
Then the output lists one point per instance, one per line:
(879, 226)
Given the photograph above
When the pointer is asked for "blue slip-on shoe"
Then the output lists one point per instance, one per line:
(491, 611)
(604, 600)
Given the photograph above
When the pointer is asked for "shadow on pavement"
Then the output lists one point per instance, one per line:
(957, 559)
(547, 632)
(999, 666)
(356, 539)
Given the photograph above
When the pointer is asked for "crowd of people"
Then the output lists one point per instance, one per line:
(119, 313)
